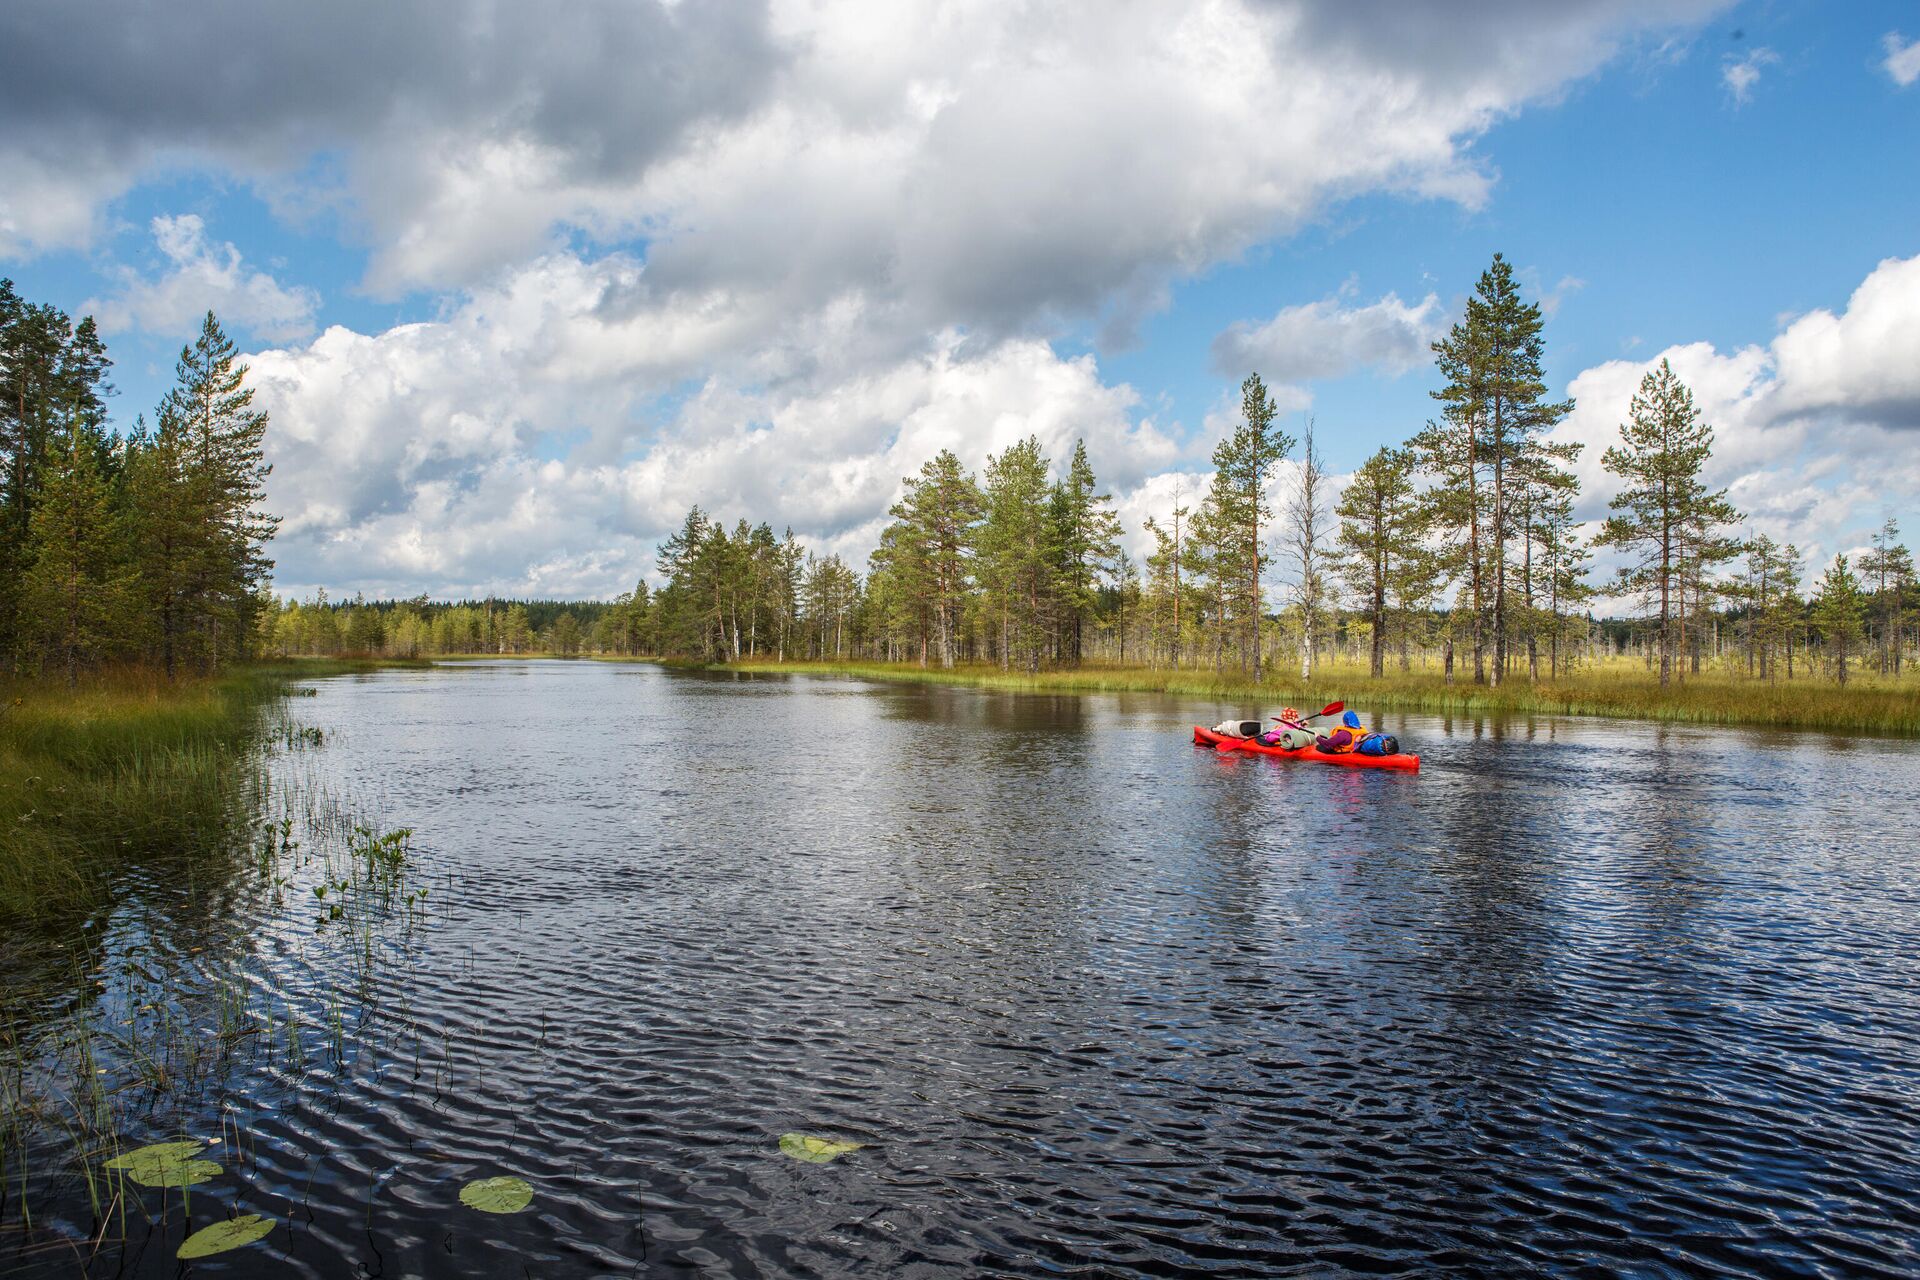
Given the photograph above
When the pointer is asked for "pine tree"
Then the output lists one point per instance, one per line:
(1305, 534)
(939, 510)
(72, 588)
(1542, 489)
(1888, 567)
(220, 444)
(1495, 411)
(1564, 562)
(1379, 523)
(50, 378)
(1837, 614)
(1166, 579)
(1237, 512)
(1089, 540)
(1018, 551)
(1664, 509)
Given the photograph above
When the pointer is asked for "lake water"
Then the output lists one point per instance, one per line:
(1581, 998)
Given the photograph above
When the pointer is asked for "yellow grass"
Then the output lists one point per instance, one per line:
(1618, 688)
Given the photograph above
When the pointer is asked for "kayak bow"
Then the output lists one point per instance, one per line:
(1350, 760)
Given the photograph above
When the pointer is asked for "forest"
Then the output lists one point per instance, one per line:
(143, 547)
(1455, 551)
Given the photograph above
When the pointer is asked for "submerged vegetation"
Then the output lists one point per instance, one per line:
(123, 770)
(148, 847)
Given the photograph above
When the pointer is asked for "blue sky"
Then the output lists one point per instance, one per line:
(508, 334)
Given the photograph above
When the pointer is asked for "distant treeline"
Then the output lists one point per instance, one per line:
(1456, 549)
(144, 547)
(1459, 545)
(424, 628)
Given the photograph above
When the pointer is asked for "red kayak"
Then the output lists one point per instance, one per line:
(1349, 760)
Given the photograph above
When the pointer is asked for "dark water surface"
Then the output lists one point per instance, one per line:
(1581, 998)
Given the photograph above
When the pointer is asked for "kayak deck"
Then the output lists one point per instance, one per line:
(1350, 760)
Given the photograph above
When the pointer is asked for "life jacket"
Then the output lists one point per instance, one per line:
(1337, 743)
(1344, 739)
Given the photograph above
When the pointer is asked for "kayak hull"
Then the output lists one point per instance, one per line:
(1349, 760)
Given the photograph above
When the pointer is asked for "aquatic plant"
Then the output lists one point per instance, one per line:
(233, 1233)
(814, 1150)
(497, 1195)
(121, 1028)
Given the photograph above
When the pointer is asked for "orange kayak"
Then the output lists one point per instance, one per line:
(1348, 760)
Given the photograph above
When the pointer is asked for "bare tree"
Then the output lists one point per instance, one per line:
(1307, 522)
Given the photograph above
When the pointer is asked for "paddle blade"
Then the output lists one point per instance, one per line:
(1332, 709)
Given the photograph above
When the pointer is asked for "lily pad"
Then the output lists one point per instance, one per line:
(497, 1195)
(222, 1236)
(166, 1164)
(802, 1146)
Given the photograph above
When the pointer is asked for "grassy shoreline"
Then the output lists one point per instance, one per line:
(1621, 689)
(126, 767)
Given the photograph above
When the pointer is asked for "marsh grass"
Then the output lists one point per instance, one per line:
(123, 770)
(147, 847)
(1623, 688)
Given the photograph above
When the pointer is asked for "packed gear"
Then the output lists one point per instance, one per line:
(1228, 743)
(1350, 743)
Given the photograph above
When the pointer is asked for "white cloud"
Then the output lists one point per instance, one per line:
(1817, 433)
(1862, 365)
(778, 202)
(1903, 59)
(983, 165)
(1740, 75)
(438, 456)
(202, 276)
(1327, 340)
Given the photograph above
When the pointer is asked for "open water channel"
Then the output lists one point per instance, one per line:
(1581, 998)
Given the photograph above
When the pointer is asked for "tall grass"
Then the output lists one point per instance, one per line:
(127, 1015)
(124, 769)
(1621, 688)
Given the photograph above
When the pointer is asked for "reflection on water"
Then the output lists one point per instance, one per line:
(1582, 997)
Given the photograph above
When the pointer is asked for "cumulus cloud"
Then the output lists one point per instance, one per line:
(1814, 431)
(1902, 60)
(201, 276)
(422, 456)
(1325, 339)
(980, 165)
(695, 252)
(1740, 75)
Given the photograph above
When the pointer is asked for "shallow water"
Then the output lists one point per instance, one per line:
(1582, 998)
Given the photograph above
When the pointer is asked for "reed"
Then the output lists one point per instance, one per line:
(1867, 704)
(125, 768)
(112, 1036)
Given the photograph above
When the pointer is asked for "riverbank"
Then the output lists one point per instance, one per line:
(125, 768)
(1623, 689)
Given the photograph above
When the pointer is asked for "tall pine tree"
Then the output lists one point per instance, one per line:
(1664, 506)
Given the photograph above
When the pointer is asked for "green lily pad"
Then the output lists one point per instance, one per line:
(814, 1150)
(166, 1164)
(222, 1236)
(497, 1195)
